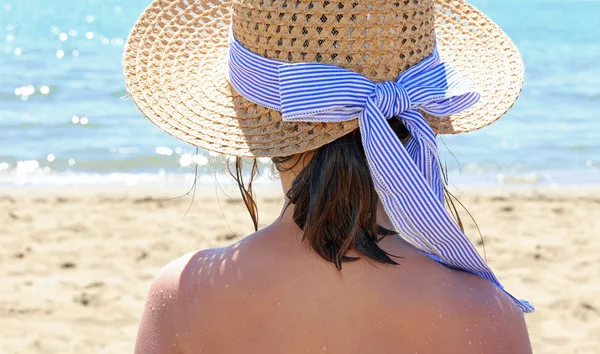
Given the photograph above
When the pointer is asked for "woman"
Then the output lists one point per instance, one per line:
(347, 99)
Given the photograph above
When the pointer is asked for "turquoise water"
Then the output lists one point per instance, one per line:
(63, 119)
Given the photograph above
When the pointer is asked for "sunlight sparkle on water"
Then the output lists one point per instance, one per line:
(116, 41)
(60, 54)
(25, 92)
(187, 159)
(163, 150)
(27, 165)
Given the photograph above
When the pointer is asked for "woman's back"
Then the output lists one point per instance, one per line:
(269, 293)
(347, 99)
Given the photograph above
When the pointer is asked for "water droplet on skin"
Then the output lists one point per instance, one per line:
(152, 308)
(226, 285)
(324, 349)
(169, 296)
(163, 305)
(278, 303)
(466, 329)
(441, 315)
(174, 344)
(470, 342)
(245, 296)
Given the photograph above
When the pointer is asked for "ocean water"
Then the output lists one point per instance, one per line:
(63, 119)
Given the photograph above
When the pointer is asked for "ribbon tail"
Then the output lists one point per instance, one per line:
(416, 212)
(422, 148)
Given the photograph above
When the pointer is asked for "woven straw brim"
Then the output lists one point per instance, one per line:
(176, 72)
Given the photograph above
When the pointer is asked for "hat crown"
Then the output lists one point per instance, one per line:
(377, 38)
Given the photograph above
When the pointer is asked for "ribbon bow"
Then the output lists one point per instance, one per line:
(407, 178)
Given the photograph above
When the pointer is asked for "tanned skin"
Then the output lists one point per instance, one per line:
(270, 293)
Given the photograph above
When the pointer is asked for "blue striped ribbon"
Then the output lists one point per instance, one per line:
(407, 178)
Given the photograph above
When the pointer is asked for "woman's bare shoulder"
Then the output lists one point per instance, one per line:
(481, 317)
(172, 302)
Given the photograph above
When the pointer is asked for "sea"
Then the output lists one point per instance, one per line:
(65, 118)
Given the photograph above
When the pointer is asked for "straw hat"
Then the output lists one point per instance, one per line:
(176, 63)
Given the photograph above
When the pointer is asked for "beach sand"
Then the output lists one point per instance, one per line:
(76, 263)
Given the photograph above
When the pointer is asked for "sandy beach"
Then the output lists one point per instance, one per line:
(75, 263)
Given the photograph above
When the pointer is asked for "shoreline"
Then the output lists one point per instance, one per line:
(272, 189)
(585, 178)
(77, 261)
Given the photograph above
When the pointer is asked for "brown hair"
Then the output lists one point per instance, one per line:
(334, 199)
